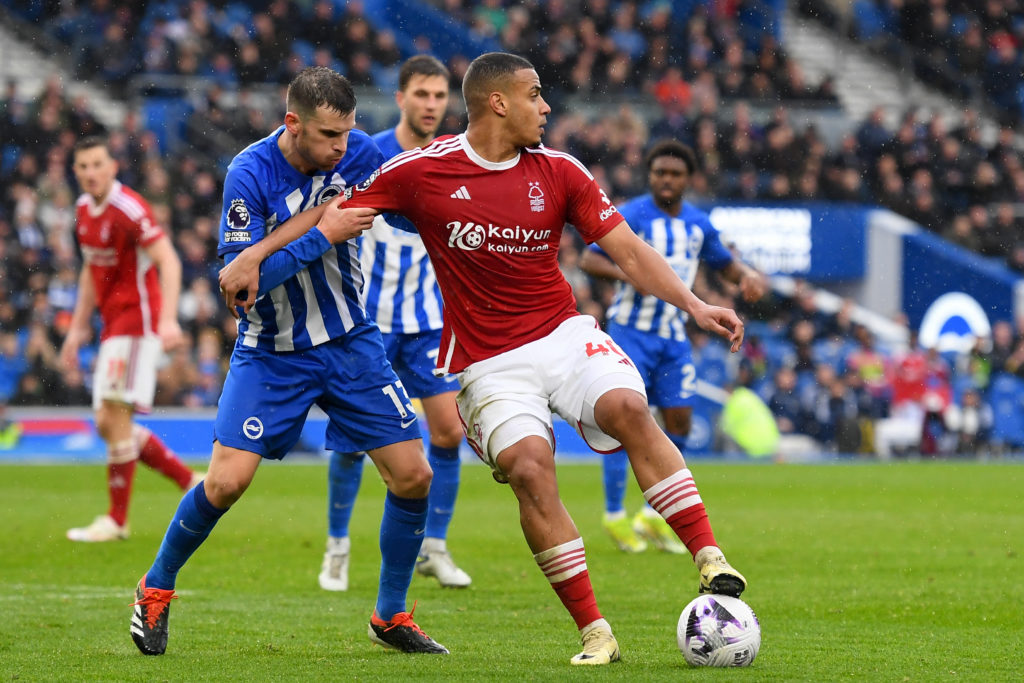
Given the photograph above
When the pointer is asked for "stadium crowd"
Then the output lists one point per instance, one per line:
(822, 375)
(971, 50)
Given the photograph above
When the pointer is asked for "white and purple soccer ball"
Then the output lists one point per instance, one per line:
(718, 630)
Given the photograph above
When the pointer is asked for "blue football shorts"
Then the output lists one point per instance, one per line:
(414, 357)
(666, 365)
(267, 395)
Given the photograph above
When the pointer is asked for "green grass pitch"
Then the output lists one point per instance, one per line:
(900, 572)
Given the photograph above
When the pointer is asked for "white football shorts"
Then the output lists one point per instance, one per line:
(564, 372)
(126, 371)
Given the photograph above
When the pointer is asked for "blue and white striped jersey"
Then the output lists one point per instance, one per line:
(684, 240)
(262, 190)
(401, 291)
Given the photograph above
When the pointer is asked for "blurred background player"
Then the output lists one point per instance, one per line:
(132, 275)
(403, 298)
(653, 333)
(305, 340)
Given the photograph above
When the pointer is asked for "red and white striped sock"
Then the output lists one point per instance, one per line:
(155, 453)
(121, 461)
(565, 566)
(677, 500)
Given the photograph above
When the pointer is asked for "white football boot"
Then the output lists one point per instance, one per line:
(102, 529)
(334, 570)
(436, 561)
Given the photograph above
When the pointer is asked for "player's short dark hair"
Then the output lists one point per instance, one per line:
(89, 142)
(672, 148)
(318, 86)
(420, 65)
(487, 73)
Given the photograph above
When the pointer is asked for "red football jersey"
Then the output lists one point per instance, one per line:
(113, 237)
(492, 231)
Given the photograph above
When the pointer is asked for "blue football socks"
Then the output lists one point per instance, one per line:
(443, 489)
(401, 534)
(191, 524)
(344, 474)
(615, 470)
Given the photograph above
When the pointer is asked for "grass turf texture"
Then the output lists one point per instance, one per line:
(908, 571)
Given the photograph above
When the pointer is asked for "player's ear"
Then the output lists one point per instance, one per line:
(292, 122)
(399, 99)
(496, 101)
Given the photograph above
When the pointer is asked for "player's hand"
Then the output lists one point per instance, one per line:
(722, 321)
(339, 224)
(753, 287)
(240, 280)
(69, 349)
(171, 336)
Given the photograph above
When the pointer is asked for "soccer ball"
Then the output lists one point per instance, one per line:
(718, 630)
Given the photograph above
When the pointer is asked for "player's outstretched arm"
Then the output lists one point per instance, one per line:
(169, 266)
(648, 269)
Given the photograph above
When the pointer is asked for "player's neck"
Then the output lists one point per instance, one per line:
(490, 145)
(286, 143)
(408, 139)
(672, 209)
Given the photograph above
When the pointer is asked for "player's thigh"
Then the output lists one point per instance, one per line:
(266, 398)
(366, 404)
(590, 365)
(498, 394)
(126, 372)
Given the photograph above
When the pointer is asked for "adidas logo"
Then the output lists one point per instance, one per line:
(461, 193)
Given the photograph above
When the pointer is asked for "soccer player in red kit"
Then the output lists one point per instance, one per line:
(132, 275)
(490, 206)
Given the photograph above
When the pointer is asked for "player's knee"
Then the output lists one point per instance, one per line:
(529, 472)
(446, 436)
(623, 414)
(104, 425)
(223, 491)
(413, 480)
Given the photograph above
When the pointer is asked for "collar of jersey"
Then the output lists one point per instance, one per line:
(480, 161)
(96, 209)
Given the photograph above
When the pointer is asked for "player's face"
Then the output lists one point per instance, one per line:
(423, 104)
(668, 179)
(321, 140)
(528, 112)
(95, 171)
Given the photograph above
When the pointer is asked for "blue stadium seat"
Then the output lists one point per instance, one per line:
(304, 49)
(9, 158)
(166, 116)
(868, 20)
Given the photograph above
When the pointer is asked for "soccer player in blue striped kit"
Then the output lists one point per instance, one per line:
(403, 298)
(307, 340)
(652, 333)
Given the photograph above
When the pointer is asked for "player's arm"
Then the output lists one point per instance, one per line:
(752, 282)
(645, 266)
(79, 329)
(595, 262)
(291, 247)
(167, 263)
